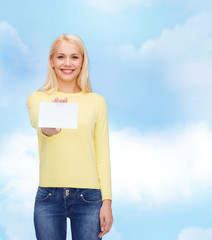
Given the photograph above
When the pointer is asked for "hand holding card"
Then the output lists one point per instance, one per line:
(54, 116)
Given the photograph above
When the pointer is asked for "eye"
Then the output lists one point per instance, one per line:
(75, 57)
(60, 57)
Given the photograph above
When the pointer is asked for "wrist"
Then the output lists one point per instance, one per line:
(107, 202)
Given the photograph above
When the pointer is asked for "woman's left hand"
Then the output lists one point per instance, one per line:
(106, 217)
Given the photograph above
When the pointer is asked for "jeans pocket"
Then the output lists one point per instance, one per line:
(91, 196)
(42, 194)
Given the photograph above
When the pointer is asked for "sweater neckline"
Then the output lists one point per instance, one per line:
(69, 94)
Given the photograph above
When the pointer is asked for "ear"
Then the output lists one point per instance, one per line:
(51, 62)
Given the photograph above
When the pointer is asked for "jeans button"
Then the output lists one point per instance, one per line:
(67, 192)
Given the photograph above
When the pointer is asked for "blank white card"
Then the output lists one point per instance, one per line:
(58, 115)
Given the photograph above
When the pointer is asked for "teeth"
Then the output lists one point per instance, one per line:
(67, 71)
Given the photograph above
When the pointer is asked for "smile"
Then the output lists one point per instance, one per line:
(67, 71)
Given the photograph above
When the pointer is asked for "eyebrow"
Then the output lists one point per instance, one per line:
(71, 54)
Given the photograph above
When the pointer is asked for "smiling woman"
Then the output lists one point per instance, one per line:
(75, 174)
(67, 62)
(67, 55)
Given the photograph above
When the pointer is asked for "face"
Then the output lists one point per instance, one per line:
(67, 61)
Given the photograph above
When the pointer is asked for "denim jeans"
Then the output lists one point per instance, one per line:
(53, 205)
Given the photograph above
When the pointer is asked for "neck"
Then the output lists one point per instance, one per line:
(68, 87)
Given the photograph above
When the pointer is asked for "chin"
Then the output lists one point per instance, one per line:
(68, 80)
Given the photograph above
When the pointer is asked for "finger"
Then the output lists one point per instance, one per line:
(101, 234)
(58, 130)
(66, 99)
(45, 131)
(106, 228)
(55, 100)
(102, 226)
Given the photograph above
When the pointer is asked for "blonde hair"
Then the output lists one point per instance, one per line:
(83, 81)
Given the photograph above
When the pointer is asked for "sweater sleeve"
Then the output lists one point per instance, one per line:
(33, 104)
(101, 141)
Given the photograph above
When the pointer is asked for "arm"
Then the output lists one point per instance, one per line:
(101, 140)
(33, 104)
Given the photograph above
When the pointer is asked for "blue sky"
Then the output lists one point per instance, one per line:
(151, 60)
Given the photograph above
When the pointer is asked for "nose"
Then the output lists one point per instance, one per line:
(67, 62)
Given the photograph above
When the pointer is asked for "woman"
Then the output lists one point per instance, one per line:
(75, 174)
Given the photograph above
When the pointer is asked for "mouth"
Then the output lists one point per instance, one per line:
(67, 71)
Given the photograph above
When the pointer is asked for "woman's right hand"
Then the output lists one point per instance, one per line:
(53, 131)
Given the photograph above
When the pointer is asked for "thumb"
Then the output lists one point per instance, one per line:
(58, 130)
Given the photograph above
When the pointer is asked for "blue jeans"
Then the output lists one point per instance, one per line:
(53, 205)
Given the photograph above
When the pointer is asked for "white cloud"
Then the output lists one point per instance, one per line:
(185, 56)
(181, 58)
(161, 167)
(185, 46)
(195, 233)
(9, 33)
(14, 53)
(19, 68)
(19, 180)
(15, 64)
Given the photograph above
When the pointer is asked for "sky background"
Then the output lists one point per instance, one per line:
(151, 60)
